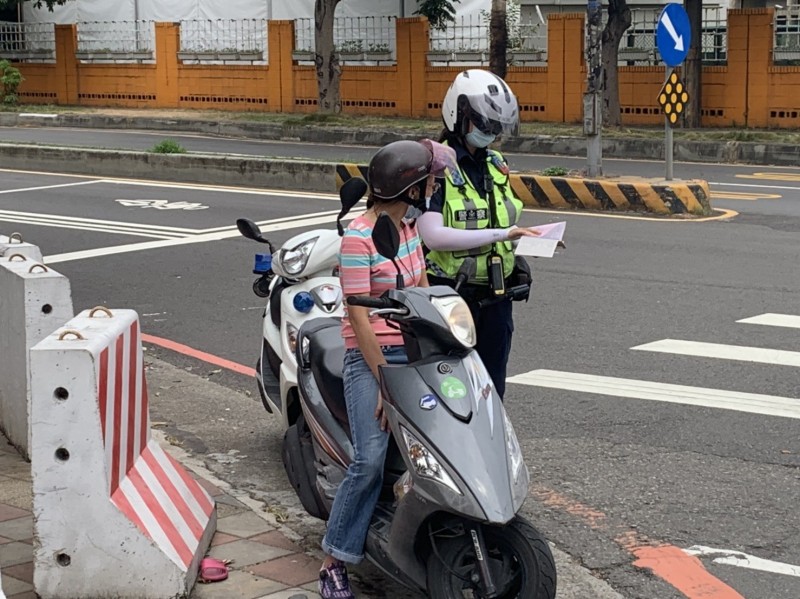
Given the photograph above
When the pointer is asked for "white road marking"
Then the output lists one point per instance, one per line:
(97, 222)
(191, 186)
(283, 224)
(224, 189)
(86, 227)
(724, 352)
(743, 560)
(755, 186)
(767, 405)
(43, 187)
(774, 320)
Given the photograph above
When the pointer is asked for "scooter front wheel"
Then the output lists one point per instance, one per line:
(519, 558)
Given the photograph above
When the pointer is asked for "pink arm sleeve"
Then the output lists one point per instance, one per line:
(437, 236)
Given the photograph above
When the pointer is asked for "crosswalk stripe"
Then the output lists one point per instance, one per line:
(725, 352)
(774, 320)
(768, 405)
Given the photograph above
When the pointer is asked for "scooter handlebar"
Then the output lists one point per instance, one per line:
(378, 303)
(511, 294)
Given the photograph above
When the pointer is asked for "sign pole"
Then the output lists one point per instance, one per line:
(593, 98)
(673, 37)
(668, 144)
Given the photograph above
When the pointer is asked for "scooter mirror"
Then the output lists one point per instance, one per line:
(249, 230)
(351, 192)
(387, 242)
(385, 237)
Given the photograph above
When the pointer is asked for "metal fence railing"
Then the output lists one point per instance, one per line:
(224, 39)
(467, 40)
(120, 41)
(357, 39)
(715, 35)
(28, 41)
(638, 44)
(786, 41)
(468, 35)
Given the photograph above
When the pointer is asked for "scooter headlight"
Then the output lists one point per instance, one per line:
(512, 446)
(425, 463)
(455, 311)
(294, 261)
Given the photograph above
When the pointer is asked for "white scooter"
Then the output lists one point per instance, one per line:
(301, 282)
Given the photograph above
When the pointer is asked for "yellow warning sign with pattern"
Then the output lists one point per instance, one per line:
(673, 98)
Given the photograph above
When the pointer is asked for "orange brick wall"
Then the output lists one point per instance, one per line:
(749, 90)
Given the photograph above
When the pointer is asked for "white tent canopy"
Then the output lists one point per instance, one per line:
(75, 11)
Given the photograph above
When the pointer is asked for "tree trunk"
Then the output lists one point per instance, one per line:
(498, 39)
(327, 61)
(693, 71)
(619, 19)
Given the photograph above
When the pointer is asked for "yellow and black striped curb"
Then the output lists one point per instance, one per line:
(619, 194)
(348, 171)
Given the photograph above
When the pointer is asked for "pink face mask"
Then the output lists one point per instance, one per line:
(444, 157)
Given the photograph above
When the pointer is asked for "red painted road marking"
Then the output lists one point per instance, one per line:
(684, 572)
(200, 355)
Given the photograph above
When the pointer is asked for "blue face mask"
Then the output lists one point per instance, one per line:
(413, 213)
(479, 139)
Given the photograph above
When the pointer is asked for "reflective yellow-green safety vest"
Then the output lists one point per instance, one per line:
(464, 208)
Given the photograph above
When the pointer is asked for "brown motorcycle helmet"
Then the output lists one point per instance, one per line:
(396, 167)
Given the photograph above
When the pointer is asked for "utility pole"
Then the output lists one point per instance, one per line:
(593, 98)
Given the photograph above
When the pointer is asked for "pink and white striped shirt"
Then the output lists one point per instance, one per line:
(363, 271)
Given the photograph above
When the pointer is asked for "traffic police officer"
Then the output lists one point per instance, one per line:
(475, 212)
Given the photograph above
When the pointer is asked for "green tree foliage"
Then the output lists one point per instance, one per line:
(10, 79)
(438, 12)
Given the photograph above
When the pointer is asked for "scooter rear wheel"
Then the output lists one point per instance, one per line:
(521, 563)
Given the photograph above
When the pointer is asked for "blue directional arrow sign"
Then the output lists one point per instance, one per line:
(673, 34)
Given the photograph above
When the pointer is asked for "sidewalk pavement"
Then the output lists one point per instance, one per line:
(266, 563)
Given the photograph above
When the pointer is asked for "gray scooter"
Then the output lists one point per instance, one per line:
(447, 522)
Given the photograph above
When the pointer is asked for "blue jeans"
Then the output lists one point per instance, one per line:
(357, 495)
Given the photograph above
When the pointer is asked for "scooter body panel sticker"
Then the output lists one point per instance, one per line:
(428, 402)
(452, 388)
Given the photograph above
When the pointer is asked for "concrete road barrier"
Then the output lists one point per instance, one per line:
(34, 301)
(14, 244)
(114, 514)
(188, 168)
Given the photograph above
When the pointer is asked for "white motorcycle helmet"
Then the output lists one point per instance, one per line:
(484, 99)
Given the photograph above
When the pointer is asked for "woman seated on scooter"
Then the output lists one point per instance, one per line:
(401, 176)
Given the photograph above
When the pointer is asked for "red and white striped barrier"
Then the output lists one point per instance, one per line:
(114, 514)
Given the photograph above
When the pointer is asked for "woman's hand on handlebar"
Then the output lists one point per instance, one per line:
(369, 302)
(518, 232)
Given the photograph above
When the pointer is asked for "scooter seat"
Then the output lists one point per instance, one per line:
(326, 358)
